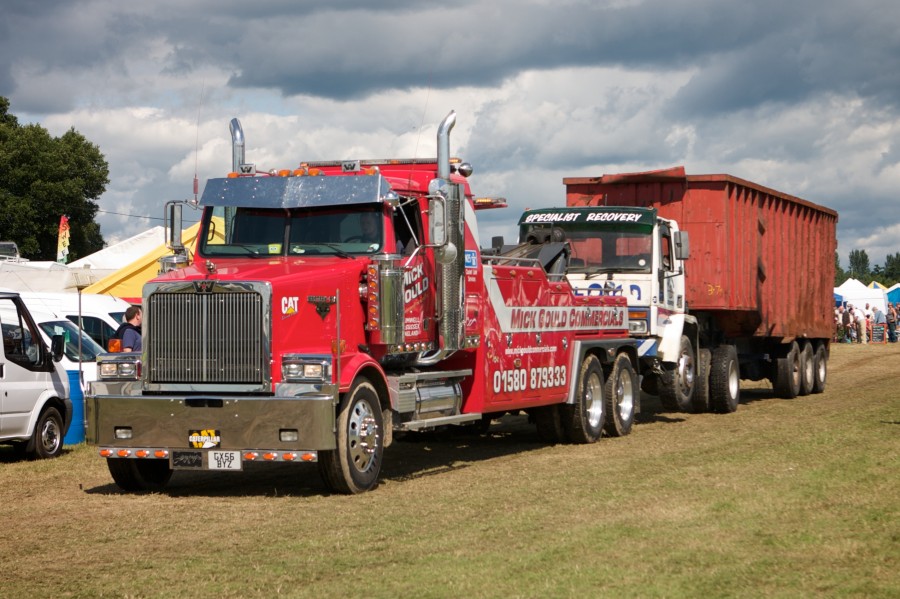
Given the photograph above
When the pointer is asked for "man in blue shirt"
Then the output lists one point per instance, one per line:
(130, 330)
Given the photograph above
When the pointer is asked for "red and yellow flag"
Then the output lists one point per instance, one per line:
(62, 247)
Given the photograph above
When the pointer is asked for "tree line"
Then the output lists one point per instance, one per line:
(43, 178)
(859, 269)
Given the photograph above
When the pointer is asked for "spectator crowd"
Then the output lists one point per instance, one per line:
(853, 324)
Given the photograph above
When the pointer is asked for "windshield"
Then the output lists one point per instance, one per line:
(599, 250)
(252, 232)
(89, 348)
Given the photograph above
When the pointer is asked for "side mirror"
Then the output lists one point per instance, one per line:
(57, 347)
(173, 226)
(438, 192)
(682, 245)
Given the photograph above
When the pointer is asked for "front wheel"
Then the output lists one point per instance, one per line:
(47, 439)
(584, 419)
(137, 476)
(676, 386)
(620, 395)
(356, 463)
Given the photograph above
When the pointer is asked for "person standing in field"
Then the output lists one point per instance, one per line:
(891, 323)
(861, 325)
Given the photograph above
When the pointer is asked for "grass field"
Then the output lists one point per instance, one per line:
(784, 498)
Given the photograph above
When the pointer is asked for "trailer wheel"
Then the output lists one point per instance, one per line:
(820, 366)
(47, 439)
(807, 369)
(549, 423)
(700, 397)
(621, 387)
(136, 476)
(356, 463)
(724, 380)
(677, 383)
(787, 373)
(584, 419)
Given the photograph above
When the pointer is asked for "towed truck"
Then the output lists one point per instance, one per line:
(725, 279)
(334, 304)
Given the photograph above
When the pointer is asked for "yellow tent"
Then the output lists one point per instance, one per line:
(128, 281)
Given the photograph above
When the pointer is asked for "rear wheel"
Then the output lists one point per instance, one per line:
(139, 475)
(583, 421)
(820, 366)
(787, 373)
(807, 369)
(356, 463)
(724, 380)
(47, 439)
(620, 396)
(676, 385)
(700, 398)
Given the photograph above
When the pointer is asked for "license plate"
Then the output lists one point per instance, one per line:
(224, 460)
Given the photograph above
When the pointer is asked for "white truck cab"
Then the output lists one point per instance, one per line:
(35, 408)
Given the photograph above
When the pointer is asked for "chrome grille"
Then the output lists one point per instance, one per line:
(196, 338)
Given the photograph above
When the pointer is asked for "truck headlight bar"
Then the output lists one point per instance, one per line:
(121, 367)
(296, 368)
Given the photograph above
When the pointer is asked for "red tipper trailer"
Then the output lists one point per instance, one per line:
(761, 259)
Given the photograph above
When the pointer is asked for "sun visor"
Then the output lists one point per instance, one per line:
(294, 192)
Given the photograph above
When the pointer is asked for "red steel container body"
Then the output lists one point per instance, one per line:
(761, 261)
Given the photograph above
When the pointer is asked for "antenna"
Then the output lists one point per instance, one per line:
(197, 147)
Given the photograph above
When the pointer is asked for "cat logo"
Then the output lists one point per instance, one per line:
(204, 439)
(203, 286)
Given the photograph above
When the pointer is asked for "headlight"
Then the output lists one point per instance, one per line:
(637, 322)
(637, 327)
(119, 369)
(314, 369)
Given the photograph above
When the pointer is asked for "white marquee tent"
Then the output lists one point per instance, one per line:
(854, 292)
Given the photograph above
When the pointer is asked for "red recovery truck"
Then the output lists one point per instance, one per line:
(333, 304)
(754, 301)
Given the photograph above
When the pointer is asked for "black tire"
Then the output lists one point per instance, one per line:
(583, 421)
(355, 465)
(676, 385)
(47, 438)
(137, 476)
(820, 367)
(724, 380)
(807, 368)
(621, 397)
(787, 373)
(700, 397)
(549, 423)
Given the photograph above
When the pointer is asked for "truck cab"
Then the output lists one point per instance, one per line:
(634, 253)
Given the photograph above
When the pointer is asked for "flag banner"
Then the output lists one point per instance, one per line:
(62, 247)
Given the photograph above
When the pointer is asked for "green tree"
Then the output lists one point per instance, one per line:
(839, 275)
(892, 268)
(43, 178)
(859, 265)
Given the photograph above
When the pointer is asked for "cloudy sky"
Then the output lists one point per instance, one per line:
(799, 95)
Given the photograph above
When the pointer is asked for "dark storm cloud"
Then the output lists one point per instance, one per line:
(746, 53)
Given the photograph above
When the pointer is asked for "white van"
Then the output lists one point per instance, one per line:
(101, 315)
(35, 408)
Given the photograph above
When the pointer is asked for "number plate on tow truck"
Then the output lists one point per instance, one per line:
(224, 460)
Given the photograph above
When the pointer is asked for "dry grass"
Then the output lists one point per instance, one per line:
(781, 499)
